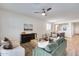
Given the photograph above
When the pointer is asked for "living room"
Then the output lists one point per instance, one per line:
(43, 20)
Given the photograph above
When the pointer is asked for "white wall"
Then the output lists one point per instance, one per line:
(76, 28)
(11, 24)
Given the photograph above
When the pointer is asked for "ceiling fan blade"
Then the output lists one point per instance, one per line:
(36, 12)
(49, 9)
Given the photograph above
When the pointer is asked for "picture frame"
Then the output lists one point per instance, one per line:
(64, 28)
(28, 27)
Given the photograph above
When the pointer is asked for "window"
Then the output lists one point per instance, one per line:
(48, 26)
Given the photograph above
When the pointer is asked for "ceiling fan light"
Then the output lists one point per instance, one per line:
(43, 14)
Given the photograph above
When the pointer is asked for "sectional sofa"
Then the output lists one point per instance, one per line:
(57, 48)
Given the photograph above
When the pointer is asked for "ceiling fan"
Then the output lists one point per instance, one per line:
(44, 11)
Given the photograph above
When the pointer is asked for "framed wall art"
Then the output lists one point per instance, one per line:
(28, 27)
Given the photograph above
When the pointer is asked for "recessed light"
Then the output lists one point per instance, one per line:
(43, 14)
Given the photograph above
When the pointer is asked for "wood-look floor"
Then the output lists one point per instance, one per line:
(73, 46)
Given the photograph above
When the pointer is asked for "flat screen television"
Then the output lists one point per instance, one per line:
(27, 37)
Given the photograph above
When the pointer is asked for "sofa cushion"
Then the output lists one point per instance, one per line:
(15, 42)
(7, 44)
(60, 40)
(51, 47)
(54, 45)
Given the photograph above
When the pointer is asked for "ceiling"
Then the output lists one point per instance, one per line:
(59, 10)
